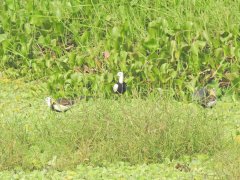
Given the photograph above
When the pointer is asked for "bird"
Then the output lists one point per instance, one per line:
(60, 105)
(120, 87)
(206, 97)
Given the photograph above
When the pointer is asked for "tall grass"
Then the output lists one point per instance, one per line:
(135, 131)
(227, 162)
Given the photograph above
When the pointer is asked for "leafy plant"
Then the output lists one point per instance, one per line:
(56, 40)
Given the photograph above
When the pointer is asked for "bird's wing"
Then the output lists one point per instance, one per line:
(199, 94)
(124, 86)
(60, 108)
(211, 103)
(65, 102)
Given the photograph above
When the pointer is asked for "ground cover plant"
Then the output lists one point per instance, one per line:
(115, 138)
(166, 49)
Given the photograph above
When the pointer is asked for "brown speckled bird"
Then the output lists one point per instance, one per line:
(60, 105)
(206, 97)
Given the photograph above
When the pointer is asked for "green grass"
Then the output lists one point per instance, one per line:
(135, 131)
(172, 45)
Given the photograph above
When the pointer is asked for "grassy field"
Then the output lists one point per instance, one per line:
(166, 50)
(114, 138)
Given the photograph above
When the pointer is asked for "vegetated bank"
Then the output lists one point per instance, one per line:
(172, 44)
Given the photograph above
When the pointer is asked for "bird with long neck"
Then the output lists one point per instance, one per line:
(120, 87)
(206, 97)
(64, 104)
(61, 105)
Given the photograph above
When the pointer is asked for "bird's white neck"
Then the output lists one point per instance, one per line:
(120, 79)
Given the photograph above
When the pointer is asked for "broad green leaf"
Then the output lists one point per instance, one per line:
(151, 44)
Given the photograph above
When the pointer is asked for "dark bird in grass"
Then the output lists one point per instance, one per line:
(120, 87)
(60, 105)
(206, 97)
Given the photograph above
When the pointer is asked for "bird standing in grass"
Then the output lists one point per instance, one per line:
(206, 97)
(60, 105)
(120, 87)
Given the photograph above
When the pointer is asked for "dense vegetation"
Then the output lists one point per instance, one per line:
(165, 48)
(174, 44)
(156, 137)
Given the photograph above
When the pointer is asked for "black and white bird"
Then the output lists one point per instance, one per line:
(206, 97)
(60, 105)
(121, 86)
